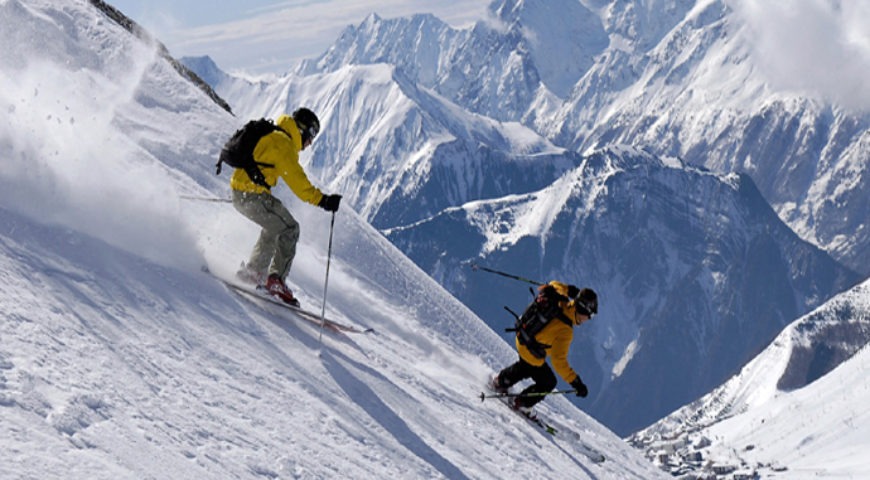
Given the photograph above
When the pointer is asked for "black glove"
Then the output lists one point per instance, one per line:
(547, 295)
(330, 202)
(578, 385)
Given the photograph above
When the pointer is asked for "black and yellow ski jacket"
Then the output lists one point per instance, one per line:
(279, 151)
(559, 336)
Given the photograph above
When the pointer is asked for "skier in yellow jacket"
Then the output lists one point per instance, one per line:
(277, 154)
(561, 307)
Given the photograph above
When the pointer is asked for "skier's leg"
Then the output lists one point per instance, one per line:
(285, 251)
(276, 246)
(515, 373)
(545, 382)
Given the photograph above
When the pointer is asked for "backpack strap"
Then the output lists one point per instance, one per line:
(253, 171)
(564, 318)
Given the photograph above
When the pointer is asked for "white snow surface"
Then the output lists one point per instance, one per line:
(120, 358)
(755, 422)
(818, 432)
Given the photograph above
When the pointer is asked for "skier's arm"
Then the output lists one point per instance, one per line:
(559, 357)
(286, 161)
(297, 180)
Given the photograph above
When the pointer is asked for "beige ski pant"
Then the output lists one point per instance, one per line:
(276, 247)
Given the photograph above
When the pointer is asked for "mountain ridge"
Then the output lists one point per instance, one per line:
(683, 82)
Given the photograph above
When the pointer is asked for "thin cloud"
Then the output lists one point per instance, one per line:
(820, 47)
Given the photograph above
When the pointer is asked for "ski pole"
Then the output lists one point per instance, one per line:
(484, 396)
(476, 267)
(205, 199)
(326, 280)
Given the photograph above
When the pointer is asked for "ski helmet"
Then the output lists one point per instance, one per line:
(308, 123)
(586, 302)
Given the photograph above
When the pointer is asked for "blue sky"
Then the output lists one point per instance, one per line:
(269, 36)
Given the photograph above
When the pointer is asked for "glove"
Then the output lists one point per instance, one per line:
(578, 385)
(330, 202)
(547, 295)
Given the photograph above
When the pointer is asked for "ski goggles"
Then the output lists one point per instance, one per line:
(308, 133)
(585, 308)
(311, 131)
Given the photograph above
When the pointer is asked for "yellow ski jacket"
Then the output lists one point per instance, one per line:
(281, 151)
(559, 336)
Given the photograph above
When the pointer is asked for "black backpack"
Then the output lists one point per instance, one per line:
(238, 152)
(535, 317)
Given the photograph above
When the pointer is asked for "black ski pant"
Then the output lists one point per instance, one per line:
(543, 376)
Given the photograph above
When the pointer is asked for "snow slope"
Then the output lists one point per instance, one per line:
(112, 366)
(799, 407)
(120, 358)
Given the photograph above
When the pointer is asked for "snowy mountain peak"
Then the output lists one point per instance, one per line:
(563, 37)
(644, 23)
(206, 69)
(378, 40)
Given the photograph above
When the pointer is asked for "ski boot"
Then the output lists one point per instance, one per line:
(276, 287)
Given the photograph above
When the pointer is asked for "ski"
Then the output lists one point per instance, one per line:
(557, 431)
(537, 420)
(306, 315)
(589, 451)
